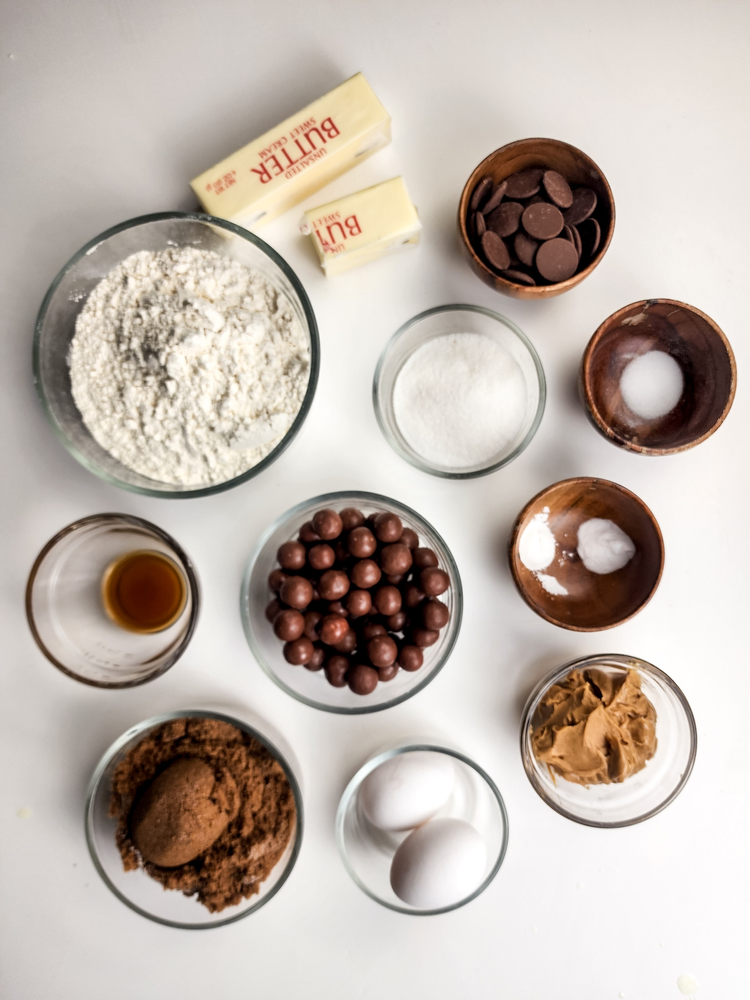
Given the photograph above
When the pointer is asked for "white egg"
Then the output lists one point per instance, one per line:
(438, 864)
(407, 789)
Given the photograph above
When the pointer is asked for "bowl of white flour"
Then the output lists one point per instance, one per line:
(459, 391)
(176, 355)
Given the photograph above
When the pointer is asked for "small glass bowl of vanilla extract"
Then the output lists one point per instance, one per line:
(112, 600)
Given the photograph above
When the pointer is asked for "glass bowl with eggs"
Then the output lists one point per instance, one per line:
(176, 355)
(421, 828)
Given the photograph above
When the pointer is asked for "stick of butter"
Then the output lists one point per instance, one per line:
(363, 226)
(281, 168)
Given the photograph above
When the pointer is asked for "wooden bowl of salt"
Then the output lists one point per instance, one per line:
(658, 377)
(586, 554)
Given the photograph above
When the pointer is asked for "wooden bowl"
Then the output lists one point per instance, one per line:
(593, 602)
(697, 345)
(576, 167)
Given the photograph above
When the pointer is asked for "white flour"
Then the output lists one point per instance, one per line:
(188, 367)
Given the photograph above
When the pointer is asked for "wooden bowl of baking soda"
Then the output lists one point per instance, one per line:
(658, 377)
(586, 554)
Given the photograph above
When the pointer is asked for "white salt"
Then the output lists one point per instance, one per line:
(652, 385)
(603, 547)
(460, 400)
(536, 546)
(551, 584)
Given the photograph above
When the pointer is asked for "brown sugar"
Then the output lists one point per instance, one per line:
(203, 808)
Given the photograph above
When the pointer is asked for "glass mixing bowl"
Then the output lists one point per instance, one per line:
(643, 794)
(137, 889)
(367, 852)
(66, 613)
(55, 327)
(311, 687)
(438, 322)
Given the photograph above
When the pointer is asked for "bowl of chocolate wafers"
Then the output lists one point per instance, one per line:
(535, 218)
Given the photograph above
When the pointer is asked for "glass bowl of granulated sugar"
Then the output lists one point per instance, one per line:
(176, 355)
(459, 391)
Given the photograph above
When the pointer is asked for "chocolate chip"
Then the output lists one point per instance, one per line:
(388, 673)
(495, 250)
(297, 592)
(288, 625)
(395, 559)
(321, 556)
(424, 557)
(275, 579)
(480, 226)
(556, 259)
(312, 618)
(505, 219)
(336, 669)
(433, 581)
(388, 600)
(358, 603)
(362, 679)
(348, 644)
(593, 235)
(327, 524)
(292, 555)
(524, 184)
(519, 277)
(388, 528)
(365, 574)
(382, 651)
(333, 585)
(542, 221)
(576, 240)
(372, 629)
(299, 651)
(410, 538)
(307, 534)
(435, 614)
(495, 198)
(481, 191)
(525, 248)
(421, 637)
(332, 629)
(410, 658)
(557, 188)
(351, 518)
(317, 660)
(361, 543)
(272, 610)
(584, 203)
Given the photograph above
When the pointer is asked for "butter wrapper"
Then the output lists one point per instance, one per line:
(294, 160)
(363, 226)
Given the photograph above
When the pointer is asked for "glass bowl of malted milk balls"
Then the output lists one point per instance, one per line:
(459, 391)
(176, 355)
(422, 829)
(351, 602)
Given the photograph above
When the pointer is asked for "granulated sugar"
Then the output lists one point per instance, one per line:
(459, 400)
(188, 367)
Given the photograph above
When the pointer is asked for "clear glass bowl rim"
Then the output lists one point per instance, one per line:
(187, 565)
(414, 459)
(199, 491)
(158, 720)
(583, 662)
(324, 500)
(357, 780)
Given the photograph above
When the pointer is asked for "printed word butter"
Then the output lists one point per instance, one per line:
(294, 160)
(363, 226)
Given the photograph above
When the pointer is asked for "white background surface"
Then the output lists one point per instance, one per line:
(107, 109)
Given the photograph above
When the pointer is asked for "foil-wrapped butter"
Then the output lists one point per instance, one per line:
(363, 226)
(294, 160)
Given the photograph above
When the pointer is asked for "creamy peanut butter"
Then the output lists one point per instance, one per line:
(595, 728)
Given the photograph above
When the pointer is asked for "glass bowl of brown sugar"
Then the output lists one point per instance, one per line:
(187, 781)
